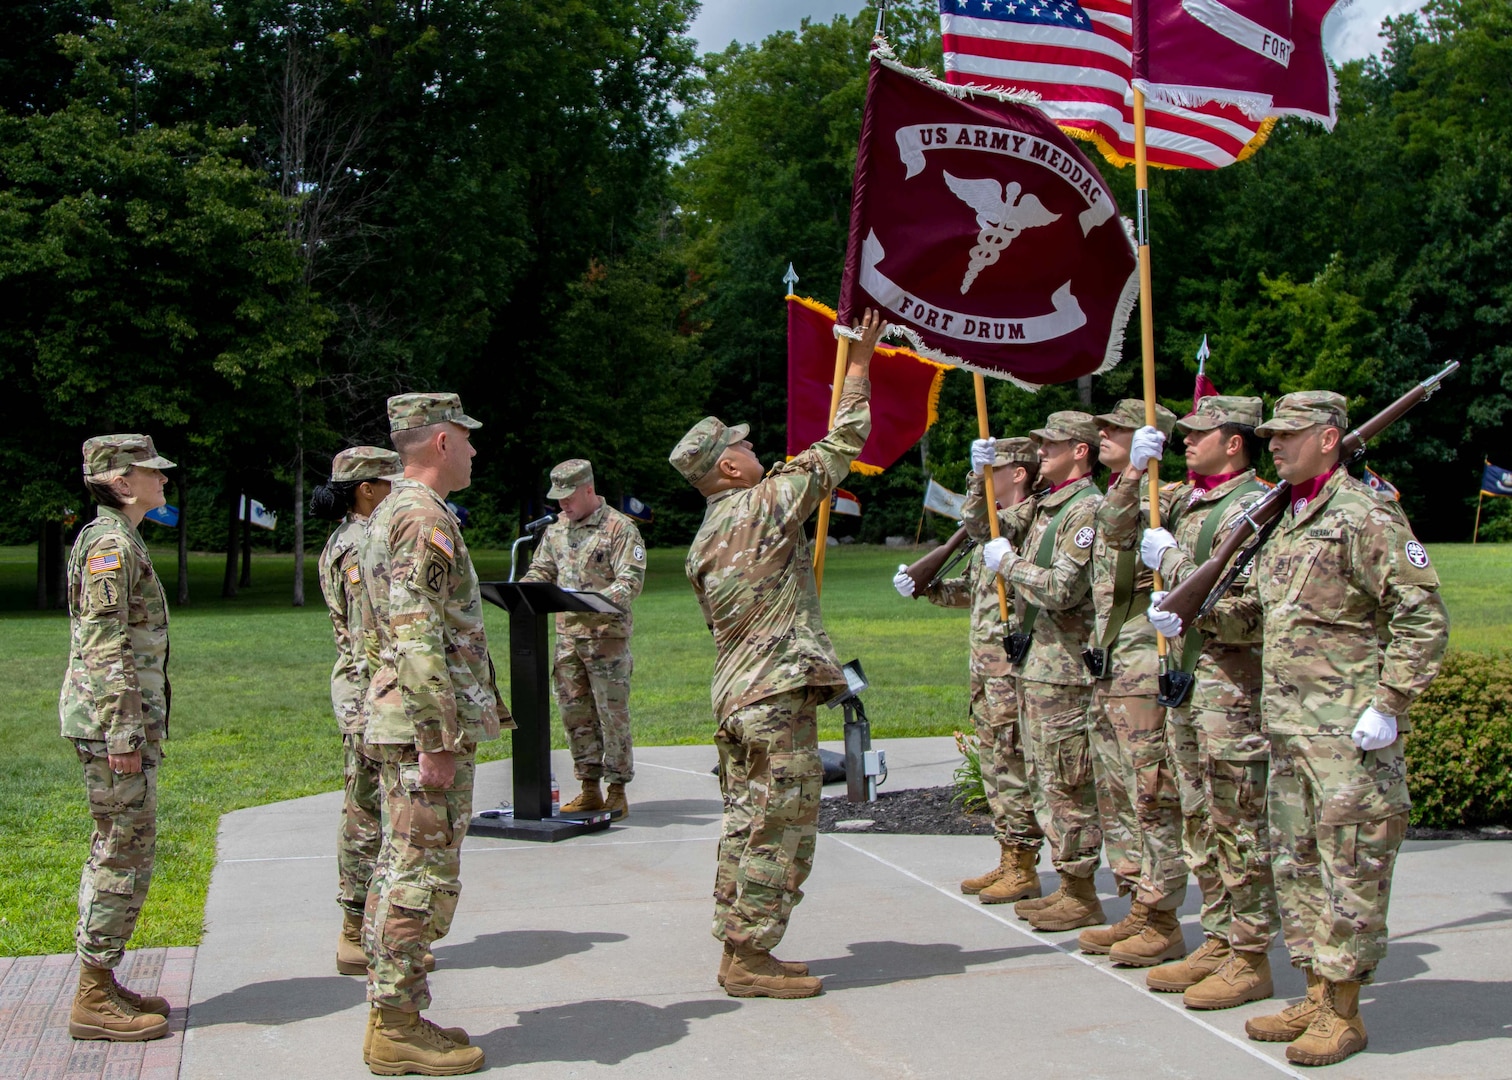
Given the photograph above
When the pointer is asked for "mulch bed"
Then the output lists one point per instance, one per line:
(932, 812)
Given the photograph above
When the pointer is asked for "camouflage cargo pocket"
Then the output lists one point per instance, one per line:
(1373, 791)
(114, 880)
(796, 785)
(1064, 725)
(1323, 575)
(423, 815)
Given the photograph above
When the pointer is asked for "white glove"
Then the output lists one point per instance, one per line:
(995, 552)
(903, 582)
(1148, 443)
(983, 454)
(1156, 543)
(1166, 623)
(1374, 730)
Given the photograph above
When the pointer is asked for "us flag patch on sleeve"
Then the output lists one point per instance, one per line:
(105, 562)
(440, 540)
(354, 574)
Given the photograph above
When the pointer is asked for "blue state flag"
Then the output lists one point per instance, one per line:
(164, 515)
(1496, 480)
(632, 507)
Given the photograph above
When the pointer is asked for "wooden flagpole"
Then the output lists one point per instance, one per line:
(992, 513)
(821, 531)
(1146, 313)
(1480, 497)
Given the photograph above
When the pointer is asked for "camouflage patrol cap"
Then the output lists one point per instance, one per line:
(1215, 410)
(1130, 413)
(107, 456)
(1305, 409)
(366, 463)
(407, 411)
(568, 477)
(697, 452)
(1068, 426)
(1018, 451)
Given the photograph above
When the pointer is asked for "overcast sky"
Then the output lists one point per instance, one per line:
(1350, 33)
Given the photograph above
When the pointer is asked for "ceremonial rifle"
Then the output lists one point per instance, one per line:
(1195, 596)
(932, 567)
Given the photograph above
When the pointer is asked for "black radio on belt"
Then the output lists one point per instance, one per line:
(1017, 646)
(1175, 687)
(1099, 661)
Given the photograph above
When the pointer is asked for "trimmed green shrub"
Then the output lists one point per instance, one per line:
(1459, 751)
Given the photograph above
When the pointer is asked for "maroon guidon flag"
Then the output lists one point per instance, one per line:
(1262, 56)
(982, 232)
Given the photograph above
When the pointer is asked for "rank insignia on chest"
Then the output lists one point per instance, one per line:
(441, 542)
(354, 574)
(105, 562)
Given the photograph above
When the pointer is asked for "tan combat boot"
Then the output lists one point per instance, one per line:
(591, 799)
(755, 974)
(98, 1012)
(1099, 939)
(350, 959)
(1175, 977)
(1019, 880)
(1244, 976)
(792, 967)
(405, 1042)
(1025, 908)
(142, 1003)
(1159, 941)
(1336, 1031)
(1291, 1021)
(616, 804)
(973, 885)
(455, 1034)
(1078, 906)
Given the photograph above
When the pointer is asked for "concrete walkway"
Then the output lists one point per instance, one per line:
(594, 956)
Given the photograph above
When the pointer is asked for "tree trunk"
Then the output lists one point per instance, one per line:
(299, 502)
(1084, 389)
(246, 549)
(182, 479)
(57, 566)
(233, 511)
(42, 578)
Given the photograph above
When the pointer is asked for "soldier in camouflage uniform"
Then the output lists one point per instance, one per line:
(360, 478)
(430, 701)
(751, 569)
(1221, 754)
(1055, 690)
(592, 547)
(1136, 787)
(1346, 605)
(994, 689)
(114, 708)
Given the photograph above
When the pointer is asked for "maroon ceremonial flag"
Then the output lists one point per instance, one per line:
(905, 390)
(1262, 56)
(982, 232)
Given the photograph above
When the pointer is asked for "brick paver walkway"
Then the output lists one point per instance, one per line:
(35, 993)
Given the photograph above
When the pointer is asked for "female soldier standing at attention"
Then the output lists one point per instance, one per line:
(114, 706)
(360, 479)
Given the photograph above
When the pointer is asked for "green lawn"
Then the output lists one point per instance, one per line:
(251, 722)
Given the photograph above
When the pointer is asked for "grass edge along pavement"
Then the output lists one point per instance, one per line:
(251, 721)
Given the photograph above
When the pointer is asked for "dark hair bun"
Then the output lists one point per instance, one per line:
(327, 504)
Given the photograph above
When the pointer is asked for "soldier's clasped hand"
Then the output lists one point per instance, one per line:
(983, 454)
(1166, 623)
(1155, 544)
(1147, 445)
(995, 552)
(903, 582)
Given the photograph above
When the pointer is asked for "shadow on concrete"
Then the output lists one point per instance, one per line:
(606, 1032)
(1483, 919)
(519, 948)
(1419, 1014)
(281, 1001)
(660, 813)
(878, 963)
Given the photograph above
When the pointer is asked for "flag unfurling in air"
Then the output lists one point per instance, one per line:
(905, 389)
(845, 503)
(1380, 485)
(982, 232)
(1077, 55)
(1496, 480)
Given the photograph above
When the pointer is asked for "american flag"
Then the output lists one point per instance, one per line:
(1076, 54)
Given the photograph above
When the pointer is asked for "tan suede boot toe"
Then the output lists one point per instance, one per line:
(1336, 1031)
(1020, 879)
(1244, 977)
(1190, 970)
(757, 974)
(973, 885)
(1159, 941)
(405, 1042)
(1098, 940)
(98, 1012)
(1078, 906)
(1292, 1021)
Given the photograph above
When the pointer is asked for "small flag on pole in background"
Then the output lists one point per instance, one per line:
(636, 510)
(1496, 481)
(941, 500)
(258, 515)
(163, 515)
(1380, 485)
(846, 503)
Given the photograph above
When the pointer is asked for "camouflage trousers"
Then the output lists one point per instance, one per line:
(591, 678)
(118, 871)
(1137, 799)
(360, 833)
(1222, 769)
(770, 776)
(417, 879)
(1337, 817)
(1055, 735)
(1006, 777)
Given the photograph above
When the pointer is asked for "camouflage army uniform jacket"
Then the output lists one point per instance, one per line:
(1348, 609)
(1121, 521)
(977, 589)
(351, 615)
(116, 689)
(432, 681)
(602, 553)
(1062, 591)
(753, 572)
(1228, 673)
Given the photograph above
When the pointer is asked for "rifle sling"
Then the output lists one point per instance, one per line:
(1125, 599)
(1192, 644)
(1046, 553)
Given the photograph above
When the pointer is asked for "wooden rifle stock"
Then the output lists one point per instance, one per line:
(1196, 596)
(928, 569)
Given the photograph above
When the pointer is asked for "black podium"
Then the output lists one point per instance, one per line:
(530, 605)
